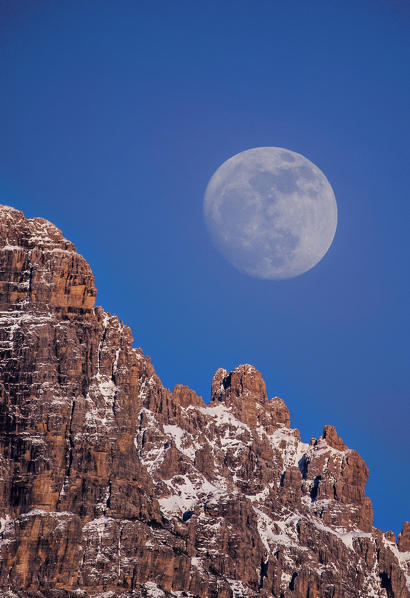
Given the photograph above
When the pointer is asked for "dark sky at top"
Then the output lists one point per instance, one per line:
(113, 117)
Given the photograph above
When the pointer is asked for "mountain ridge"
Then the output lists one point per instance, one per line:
(113, 485)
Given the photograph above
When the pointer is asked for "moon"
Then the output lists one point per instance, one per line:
(271, 212)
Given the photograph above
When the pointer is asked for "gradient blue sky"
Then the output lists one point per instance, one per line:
(113, 117)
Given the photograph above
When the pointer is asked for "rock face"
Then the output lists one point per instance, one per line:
(112, 486)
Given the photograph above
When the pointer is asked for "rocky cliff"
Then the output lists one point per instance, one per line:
(111, 485)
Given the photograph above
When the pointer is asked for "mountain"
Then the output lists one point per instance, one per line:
(112, 485)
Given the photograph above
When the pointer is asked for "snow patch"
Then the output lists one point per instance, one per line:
(3, 522)
(186, 494)
(268, 536)
(183, 440)
(290, 447)
(222, 415)
(238, 588)
(153, 591)
(345, 536)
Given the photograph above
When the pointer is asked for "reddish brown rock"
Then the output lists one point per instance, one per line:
(332, 439)
(40, 268)
(244, 383)
(113, 486)
(404, 538)
(186, 397)
(279, 411)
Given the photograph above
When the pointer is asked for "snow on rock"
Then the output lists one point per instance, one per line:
(222, 416)
(183, 440)
(291, 449)
(114, 486)
(153, 591)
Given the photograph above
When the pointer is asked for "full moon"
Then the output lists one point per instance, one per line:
(271, 212)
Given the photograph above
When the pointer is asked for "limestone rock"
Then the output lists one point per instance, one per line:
(404, 538)
(112, 485)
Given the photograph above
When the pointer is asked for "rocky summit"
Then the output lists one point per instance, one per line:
(113, 486)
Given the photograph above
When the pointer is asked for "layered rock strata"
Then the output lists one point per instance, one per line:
(111, 485)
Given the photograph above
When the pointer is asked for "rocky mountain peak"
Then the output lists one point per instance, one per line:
(40, 268)
(244, 391)
(244, 383)
(113, 486)
(332, 439)
(404, 538)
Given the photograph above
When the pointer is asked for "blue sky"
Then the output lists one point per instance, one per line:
(113, 117)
